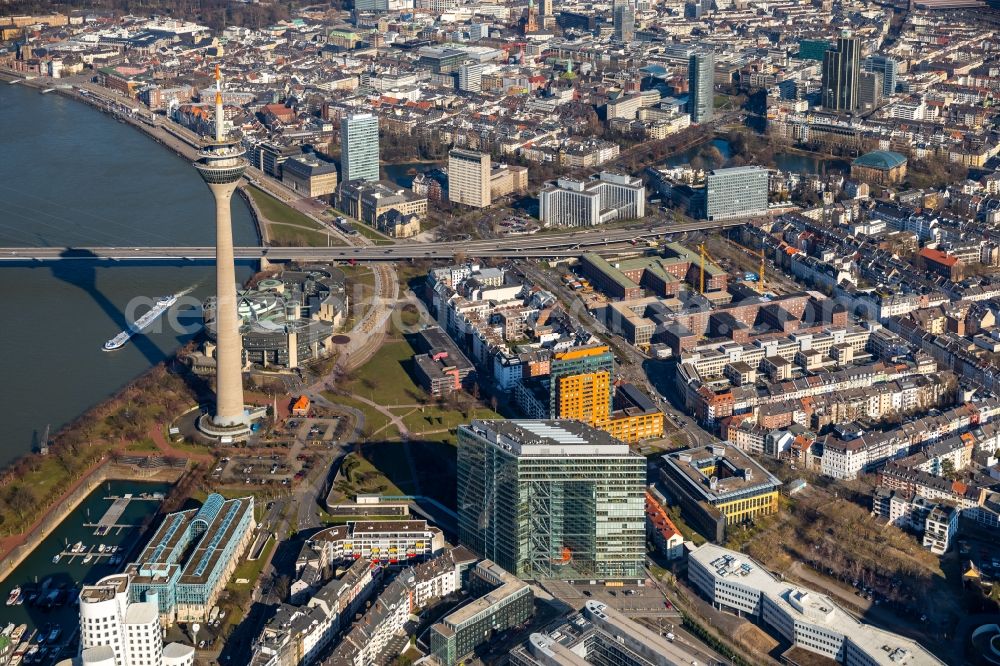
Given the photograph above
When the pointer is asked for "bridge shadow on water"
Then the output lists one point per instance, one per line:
(78, 267)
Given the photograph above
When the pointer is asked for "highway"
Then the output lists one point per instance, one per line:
(535, 246)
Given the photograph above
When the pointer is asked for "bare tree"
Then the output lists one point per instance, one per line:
(20, 499)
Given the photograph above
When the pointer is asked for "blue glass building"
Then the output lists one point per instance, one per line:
(191, 557)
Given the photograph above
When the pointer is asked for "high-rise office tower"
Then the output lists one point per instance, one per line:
(841, 68)
(359, 147)
(624, 20)
(887, 67)
(736, 192)
(470, 77)
(869, 90)
(551, 499)
(115, 630)
(221, 165)
(469, 178)
(701, 85)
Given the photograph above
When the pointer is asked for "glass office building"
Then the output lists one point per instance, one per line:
(551, 499)
(359, 147)
(887, 67)
(701, 86)
(841, 70)
(500, 602)
(189, 560)
(813, 49)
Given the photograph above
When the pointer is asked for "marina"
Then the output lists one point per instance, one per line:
(43, 590)
(109, 521)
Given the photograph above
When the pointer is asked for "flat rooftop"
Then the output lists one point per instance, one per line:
(576, 642)
(509, 586)
(372, 527)
(210, 528)
(104, 589)
(560, 438)
(883, 647)
(720, 471)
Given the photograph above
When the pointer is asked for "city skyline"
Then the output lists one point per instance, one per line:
(549, 334)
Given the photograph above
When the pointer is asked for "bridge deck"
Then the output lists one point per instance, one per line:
(548, 245)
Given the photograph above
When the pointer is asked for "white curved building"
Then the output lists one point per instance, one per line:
(117, 632)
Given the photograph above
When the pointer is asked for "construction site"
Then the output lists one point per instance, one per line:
(635, 297)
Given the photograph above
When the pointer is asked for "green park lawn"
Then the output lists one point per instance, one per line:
(287, 225)
(386, 379)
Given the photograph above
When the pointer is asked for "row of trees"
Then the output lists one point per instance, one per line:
(127, 417)
(841, 539)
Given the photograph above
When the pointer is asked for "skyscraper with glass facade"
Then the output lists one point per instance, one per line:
(359, 147)
(624, 20)
(887, 67)
(701, 85)
(841, 69)
(551, 499)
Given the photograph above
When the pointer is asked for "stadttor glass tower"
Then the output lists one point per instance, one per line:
(551, 499)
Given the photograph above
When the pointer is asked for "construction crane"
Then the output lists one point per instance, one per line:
(704, 255)
(701, 251)
(761, 287)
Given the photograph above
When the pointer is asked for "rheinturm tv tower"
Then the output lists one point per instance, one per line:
(221, 164)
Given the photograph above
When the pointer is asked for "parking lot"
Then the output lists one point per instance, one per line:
(311, 430)
(263, 469)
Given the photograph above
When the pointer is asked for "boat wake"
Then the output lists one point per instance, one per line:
(161, 305)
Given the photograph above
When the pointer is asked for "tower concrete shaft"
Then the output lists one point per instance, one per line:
(229, 352)
(221, 165)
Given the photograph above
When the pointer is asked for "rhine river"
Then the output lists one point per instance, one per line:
(73, 176)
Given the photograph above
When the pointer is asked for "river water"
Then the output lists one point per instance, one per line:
(72, 176)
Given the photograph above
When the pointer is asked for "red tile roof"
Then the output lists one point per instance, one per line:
(938, 257)
(659, 517)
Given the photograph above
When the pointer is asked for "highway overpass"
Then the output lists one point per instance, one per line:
(543, 245)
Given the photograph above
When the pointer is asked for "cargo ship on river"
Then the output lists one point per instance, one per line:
(161, 305)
